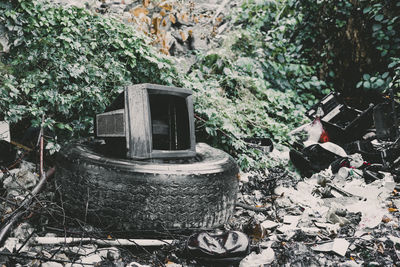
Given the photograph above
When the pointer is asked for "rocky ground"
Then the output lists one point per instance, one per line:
(324, 220)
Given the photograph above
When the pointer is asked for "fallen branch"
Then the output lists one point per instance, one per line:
(42, 259)
(108, 242)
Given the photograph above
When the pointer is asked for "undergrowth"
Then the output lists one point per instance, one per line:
(68, 64)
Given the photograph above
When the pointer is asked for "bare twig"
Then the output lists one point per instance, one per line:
(43, 259)
(103, 242)
(41, 148)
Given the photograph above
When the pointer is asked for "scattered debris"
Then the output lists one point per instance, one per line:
(338, 245)
(345, 213)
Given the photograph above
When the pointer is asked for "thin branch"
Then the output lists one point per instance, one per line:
(44, 259)
(102, 242)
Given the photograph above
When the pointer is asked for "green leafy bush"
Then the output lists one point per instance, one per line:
(255, 84)
(351, 43)
(69, 64)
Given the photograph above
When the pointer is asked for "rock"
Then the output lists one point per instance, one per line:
(107, 263)
(85, 261)
(61, 256)
(135, 264)
(22, 178)
(11, 243)
(84, 250)
(339, 246)
(92, 259)
(112, 251)
(51, 264)
(269, 224)
(267, 256)
(289, 219)
(23, 231)
(113, 254)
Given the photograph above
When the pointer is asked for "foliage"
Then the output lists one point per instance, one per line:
(352, 43)
(69, 64)
(271, 23)
(254, 84)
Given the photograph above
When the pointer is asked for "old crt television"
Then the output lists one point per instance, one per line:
(150, 121)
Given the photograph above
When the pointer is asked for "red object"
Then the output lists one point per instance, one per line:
(324, 137)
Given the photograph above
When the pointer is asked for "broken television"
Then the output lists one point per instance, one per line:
(149, 121)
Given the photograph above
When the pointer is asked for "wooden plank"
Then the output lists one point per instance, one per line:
(137, 122)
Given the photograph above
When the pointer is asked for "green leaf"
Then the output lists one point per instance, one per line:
(366, 10)
(379, 17)
(376, 27)
(366, 76)
(60, 126)
(367, 85)
(380, 82)
(68, 127)
(386, 74)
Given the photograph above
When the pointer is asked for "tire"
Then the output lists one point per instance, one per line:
(131, 195)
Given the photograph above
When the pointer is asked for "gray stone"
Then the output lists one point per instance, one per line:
(23, 231)
(51, 264)
(11, 243)
(113, 254)
(93, 259)
(20, 179)
(84, 261)
(84, 250)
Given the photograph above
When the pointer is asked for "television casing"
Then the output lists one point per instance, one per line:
(152, 121)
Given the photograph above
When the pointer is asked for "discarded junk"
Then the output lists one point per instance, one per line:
(223, 248)
(348, 132)
(144, 170)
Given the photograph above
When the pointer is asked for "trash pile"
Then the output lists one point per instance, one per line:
(344, 211)
(340, 134)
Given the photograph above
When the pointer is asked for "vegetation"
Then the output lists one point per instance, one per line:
(280, 57)
(355, 44)
(69, 64)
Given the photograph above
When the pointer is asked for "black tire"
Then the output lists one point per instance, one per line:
(130, 195)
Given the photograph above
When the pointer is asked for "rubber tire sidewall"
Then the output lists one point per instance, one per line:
(126, 195)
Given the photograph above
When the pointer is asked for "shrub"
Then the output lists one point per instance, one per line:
(68, 64)
(352, 43)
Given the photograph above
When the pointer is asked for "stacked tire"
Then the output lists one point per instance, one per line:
(130, 195)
